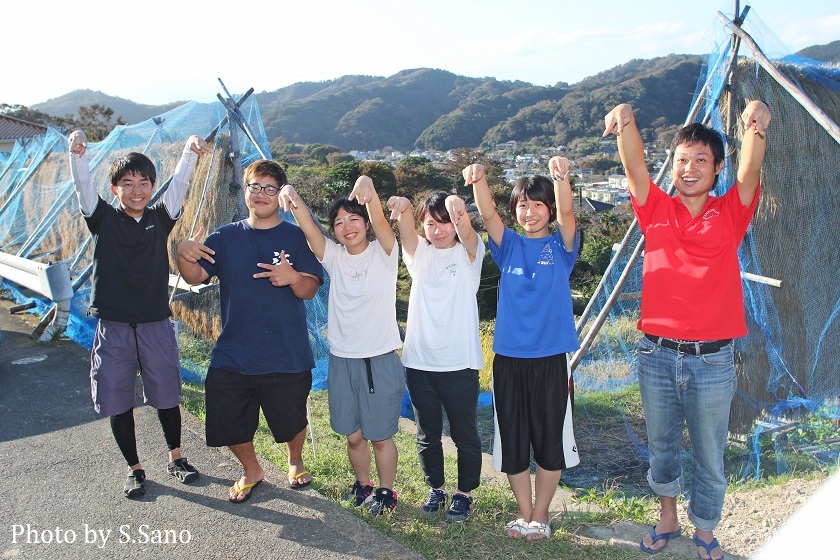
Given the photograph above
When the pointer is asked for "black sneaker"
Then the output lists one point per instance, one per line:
(460, 508)
(359, 495)
(384, 501)
(437, 499)
(183, 471)
(134, 487)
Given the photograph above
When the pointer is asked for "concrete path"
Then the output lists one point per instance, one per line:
(62, 474)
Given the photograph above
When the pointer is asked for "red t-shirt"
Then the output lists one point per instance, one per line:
(691, 281)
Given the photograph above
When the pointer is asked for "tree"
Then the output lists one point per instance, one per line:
(95, 120)
(463, 157)
(25, 113)
(382, 176)
(340, 179)
(415, 175)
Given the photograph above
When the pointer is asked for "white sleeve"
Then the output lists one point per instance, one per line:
(87, 195)
(173, 198)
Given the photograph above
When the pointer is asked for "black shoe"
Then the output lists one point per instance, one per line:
(460, 508)
(134, 487)
(183, 471)
(359, 495)
(437, 499)
(384, 501)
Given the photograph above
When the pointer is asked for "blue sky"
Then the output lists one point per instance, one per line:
(167, 50)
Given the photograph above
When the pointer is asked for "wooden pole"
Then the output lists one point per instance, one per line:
(794, 90)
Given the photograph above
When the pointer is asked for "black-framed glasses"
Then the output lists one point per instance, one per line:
(270, 190)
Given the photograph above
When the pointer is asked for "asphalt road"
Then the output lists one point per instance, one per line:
(61, 478)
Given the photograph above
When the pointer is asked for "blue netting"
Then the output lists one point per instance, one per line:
(40, 220)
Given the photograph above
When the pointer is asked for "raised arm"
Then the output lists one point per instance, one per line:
(173, 198)
(457, 209)
(621, 122)
(756, 120)
(365, 193)
(559, 168)
(402, 211)
(80, 170)
(290, 201)
(190, 251)
(474, 175)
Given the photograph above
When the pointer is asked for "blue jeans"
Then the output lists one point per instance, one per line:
(681, 389)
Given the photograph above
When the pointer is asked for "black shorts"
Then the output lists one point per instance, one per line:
(234, 400)
(532, 400)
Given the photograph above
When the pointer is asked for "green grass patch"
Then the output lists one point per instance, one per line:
(480, 537)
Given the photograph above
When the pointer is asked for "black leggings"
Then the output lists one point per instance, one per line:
(122, 426)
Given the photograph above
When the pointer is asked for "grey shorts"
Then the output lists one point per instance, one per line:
(114, 366)
(366, 394)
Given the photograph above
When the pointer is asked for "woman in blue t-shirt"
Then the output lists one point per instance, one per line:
(532, 384)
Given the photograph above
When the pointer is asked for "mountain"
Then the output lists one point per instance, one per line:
(131, 112)
(435, 109)
(823, 53)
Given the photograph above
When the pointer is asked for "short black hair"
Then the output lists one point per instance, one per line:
(538, 188)
(350, 206)
(133, 164)
(434, 205)
(697, 133)
(265, 168)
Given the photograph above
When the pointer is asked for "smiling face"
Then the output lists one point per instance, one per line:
(263, 209)
(694, 170)
(134, 191)
(534, 217)
(440, 234)
(351, 230)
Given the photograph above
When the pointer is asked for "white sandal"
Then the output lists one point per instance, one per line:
(537, 528)
(518, 526)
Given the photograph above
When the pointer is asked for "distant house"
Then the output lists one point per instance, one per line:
(618, 181)
(12, 128)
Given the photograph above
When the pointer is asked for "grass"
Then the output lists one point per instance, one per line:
(480, 537)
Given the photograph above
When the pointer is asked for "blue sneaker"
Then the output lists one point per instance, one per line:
(437, 499)
(460, 508)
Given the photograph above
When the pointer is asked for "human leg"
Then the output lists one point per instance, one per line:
(254, 473)
(660, 378)
(170, 421)
(386, 456)
(122, 426)
(520, 484)
(299, 477)
(428, 418)
(459, 393)
(358, 451)
(708, 398)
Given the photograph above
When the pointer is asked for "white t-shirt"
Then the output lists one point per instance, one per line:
(442, 328)
(362, 310)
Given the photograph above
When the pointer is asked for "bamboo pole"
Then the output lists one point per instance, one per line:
(794, 90)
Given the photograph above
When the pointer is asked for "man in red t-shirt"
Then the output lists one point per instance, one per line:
(692, 308)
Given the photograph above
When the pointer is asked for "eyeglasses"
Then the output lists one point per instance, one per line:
(270, 190)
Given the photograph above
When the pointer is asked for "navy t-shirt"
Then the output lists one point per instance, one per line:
(263, 327)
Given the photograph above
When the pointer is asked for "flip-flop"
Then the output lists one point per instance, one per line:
(658, 537)
(238, 488)
(708, 546)
(296, 484)
(519, 526)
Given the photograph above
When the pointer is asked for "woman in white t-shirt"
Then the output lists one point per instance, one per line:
(442, 351)
(365, 380)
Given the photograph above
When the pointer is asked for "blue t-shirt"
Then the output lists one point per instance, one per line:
(263, 327)
(534, 317)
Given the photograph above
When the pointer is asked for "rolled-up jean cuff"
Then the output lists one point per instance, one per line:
(702, 524)
(667, 489)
